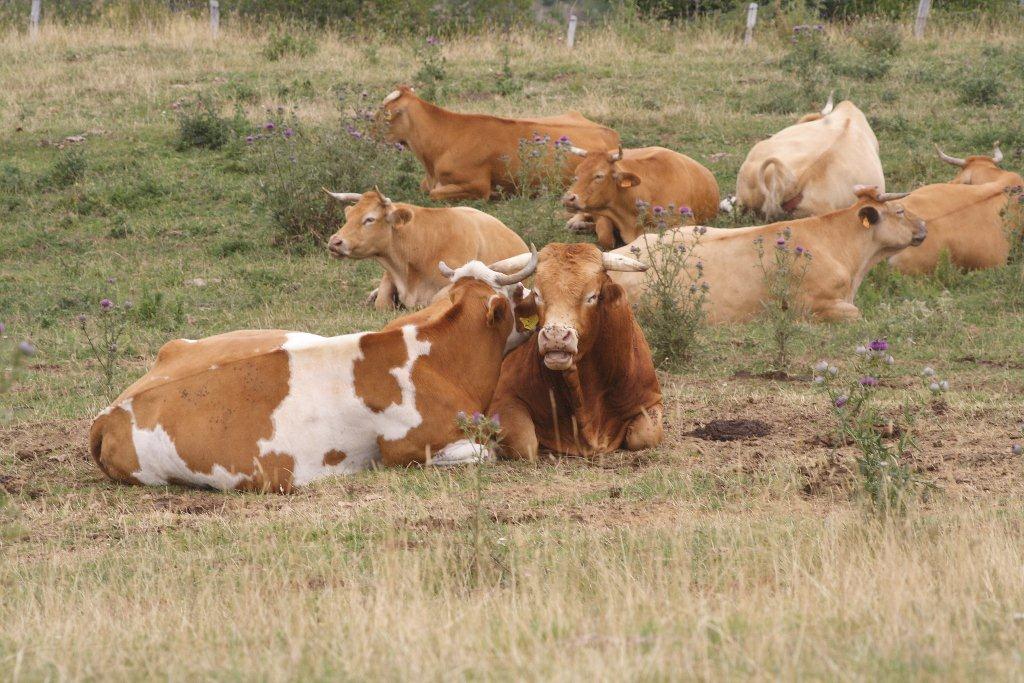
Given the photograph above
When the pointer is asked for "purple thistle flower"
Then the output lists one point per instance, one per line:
(81, 318)
(461, 416)
(399, 146)
(658, 210)
(635, 250)
(27, 349)
(564, 140)
(799, 251)
(496, 421)
(868, 381)
(841, 401)
(288, 132)
(781, 242)
(269, 125)
(702, 230)
(478, 417)
(249, 139)
(3, 328)
(537, 137)
(879, 345)
(685, 211)
(106, 304)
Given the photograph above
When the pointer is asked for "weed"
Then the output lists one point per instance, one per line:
(68, 169)
(541, 170)
(483, 432)
(507, 83)
(154, 310)
(105, 335)
(810, 60)
(120, 228)
(983, 87)
(287, 45)
(201, 126)
(783, 275)
(432, 72)
(878, 39)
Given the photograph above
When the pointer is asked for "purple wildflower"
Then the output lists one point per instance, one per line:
(27, 349)
(81, 318)
(537, 137)
(3, 328)
(799, 251)
(564, 140)
(635, 250)
(432, 40)
(478, 417)
(868, 381)
(685, 211)
(269, 125)
(249, 139)
(879, 345)
(781, 242)
(288, 132)
(841, 401)
(106, 304)
(496, 421)
(658, 210)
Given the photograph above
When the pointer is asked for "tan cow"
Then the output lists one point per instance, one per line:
(844, 245)
(609, 185)
(271, 410)
(468, 156)
(408, 241)
(588, 384)
(980, 169)
(810, 168)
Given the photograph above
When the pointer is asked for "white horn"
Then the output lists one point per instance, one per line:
(997, 154)
(830, 105)
(616, 156)
(394, 95)
(955, 161)
(445, 270)
(578, 151)
(889, 196)
(511, 264)
(523, 273)
(344, 196)
(623, 263)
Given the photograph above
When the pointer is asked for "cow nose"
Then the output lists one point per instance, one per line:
(336, 245)
(557, 338)
(569, 199)
(922, 232)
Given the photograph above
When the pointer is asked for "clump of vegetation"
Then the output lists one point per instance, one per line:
(432, 72)
(13, 183)
(671, 310)
(983, 86)
(541, 170)
(287, 45)
(783, 274)
(878, 39)
(507, 83)
(200, 125)
(482, 431)
(884, 442)
(68, 169)
(810, 60)
(103, 334)
(294, 162)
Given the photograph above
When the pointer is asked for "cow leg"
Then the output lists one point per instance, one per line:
(605, 230)
(580, 223)
(518, 438)
(386, 295)
(477, 189)
(838, 311)
(461, 452)
(646, 430)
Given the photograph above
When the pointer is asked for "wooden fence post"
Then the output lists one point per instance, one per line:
(214, 17)
(748, 37)
(570, 37)
(923, 8)
(33, 18)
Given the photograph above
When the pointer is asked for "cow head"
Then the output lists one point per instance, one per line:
(507, 294)
(571, 292)
(892, 227)
(369, 223)
(978, 169)
(393, 115)
(599, 182)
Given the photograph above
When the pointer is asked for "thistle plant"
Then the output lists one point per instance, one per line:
(783, 273)
(432, 73)
(103, 334)
(671, 310)
(885, 476)
(482, 431)
(541, 166)
(14, 355)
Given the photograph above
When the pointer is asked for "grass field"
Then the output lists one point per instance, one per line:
(700, 559)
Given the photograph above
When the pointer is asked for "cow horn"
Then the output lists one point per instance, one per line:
(344, 196)
(955, 161)
(626, 264)
(445, 270)
(383, 199)
(889, 196)
(997, 154)
(521, 274)
(615, 156)
(830, 105)
(578, 151)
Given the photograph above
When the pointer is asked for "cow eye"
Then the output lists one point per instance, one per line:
(592, 298)
(599, 176)
(368, 220)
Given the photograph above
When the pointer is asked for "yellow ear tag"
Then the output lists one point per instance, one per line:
(529, 323)
(865, 222)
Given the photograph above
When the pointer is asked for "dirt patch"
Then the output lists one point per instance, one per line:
(731, 430)
(773, 375)
(1012, 365)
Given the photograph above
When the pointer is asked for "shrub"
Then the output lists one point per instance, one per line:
(201, 126)
(68, 169)
(431, 74)
(809, 59)
(287, 45)
(878, 39)
(982, 87)
(671, 310)
(541, 169)
(783, 275)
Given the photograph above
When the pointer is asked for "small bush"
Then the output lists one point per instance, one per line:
(810, 59)
(201, 126)
(432, 73)
(983, 87)
(783, 275)
(878, 39)
(287, 45)
(68, 169)
(541, 169)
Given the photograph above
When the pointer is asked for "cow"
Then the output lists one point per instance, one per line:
(468, 156)
(609, 186)
(810, 168)
(964, 220)
(844, 245)
(270, 410)
(408, 241)
(587, 384)
(980, 169)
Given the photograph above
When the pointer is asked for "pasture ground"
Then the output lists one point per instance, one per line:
(700, 559)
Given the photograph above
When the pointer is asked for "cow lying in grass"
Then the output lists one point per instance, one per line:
(810, 168)
(468, 156)
(587, 385)
(981, 170)
(609, 185)
(271, 410)
(845, 244)
(408, 241)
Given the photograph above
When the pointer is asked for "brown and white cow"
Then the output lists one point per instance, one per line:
(810, 168)
(408, 241)
(588, 384)
(271, 410)
(467, 156)
(609, 185)
(844, 245)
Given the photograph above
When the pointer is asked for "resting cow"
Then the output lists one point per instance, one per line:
(844, 245)
(408, 241)
(980, 169)
(810, 168)
(588, 385)
(467, 156)
(609, 185)
(271, 410)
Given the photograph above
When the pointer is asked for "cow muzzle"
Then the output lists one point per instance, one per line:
(919, 234)
(571, 201)
(338, 247)
(558, 344)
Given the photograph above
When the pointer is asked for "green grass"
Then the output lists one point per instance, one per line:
(698, 559)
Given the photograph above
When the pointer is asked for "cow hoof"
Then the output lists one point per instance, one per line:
(372, 298)
(580, 227)
(463, 452)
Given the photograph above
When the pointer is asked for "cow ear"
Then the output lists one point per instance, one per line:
(348, 210)
(869, 216)
(611, 293)
(400, 216)
(497, 310)
(627, 179)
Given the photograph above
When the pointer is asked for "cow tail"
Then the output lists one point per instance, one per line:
(776, 182)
